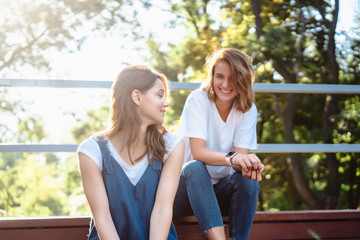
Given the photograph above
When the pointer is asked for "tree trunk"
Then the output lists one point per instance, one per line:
(257, 10)
(330, 109)
(295, 162)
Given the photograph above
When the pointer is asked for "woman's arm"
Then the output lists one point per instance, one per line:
(162, 212)
(200, 152)
(250, 164)
(95, 193)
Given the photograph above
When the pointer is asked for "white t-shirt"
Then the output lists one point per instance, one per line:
(90, 148)
(200, 119)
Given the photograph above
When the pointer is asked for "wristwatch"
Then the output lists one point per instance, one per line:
(229, 156)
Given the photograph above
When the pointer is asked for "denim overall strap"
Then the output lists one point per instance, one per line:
(105, 153)
(130, 205)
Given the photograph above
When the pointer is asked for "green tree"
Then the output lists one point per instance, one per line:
(31, 188)
(29, 28)
(31, 184)
(349, 167)
(284, 33)
(291, 42)
(96, 121)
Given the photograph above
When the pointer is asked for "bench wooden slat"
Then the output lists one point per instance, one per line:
(44, 222)
(58, 233)
(306, 230)
(307, 215)
(322, 224)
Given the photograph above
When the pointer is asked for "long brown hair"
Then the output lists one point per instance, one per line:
(124, 115)
(243, 76)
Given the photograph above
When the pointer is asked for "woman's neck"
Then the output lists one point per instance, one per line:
(224, 109)
(136, 149)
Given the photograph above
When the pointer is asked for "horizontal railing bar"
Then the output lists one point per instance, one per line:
(12, 82)
(306, 88)
(306, 148)
(258, 87)
(262, 148)
(38, 147)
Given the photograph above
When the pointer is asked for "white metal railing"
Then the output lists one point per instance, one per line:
(262, 148)
(258, 87)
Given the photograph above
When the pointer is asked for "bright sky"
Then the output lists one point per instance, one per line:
(101, 59)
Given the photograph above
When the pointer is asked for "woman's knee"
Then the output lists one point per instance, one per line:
(195, 170)
(243, 184)
(193, 167)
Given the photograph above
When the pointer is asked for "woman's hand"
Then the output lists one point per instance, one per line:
(250, 164)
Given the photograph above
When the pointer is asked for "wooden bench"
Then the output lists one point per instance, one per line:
(322, 224)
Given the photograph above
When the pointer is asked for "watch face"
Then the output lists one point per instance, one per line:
(230, 154)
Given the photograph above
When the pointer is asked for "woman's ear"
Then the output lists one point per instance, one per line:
(136, 97)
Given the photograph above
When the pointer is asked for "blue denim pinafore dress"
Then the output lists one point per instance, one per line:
(130, 205)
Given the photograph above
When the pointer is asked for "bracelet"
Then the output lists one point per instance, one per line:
(228, 161)
(231, 161)
(228, 158)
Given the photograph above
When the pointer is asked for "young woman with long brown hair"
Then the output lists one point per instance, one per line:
(130, 171)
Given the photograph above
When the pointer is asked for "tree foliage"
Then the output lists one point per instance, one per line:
(289, 42)
(32, 185)
(29, 28)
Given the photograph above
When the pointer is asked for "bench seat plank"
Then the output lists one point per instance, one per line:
(319, 224)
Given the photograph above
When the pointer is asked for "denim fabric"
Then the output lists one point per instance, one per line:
(234, 196)
(130, 205)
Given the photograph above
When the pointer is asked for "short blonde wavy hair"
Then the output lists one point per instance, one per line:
(243, 76)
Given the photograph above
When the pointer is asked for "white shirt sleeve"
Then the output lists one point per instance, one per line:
(194, 118)
(245, 133)
(172, 140)
(90, 148)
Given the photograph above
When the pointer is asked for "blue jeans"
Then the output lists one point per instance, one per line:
(234, 196)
